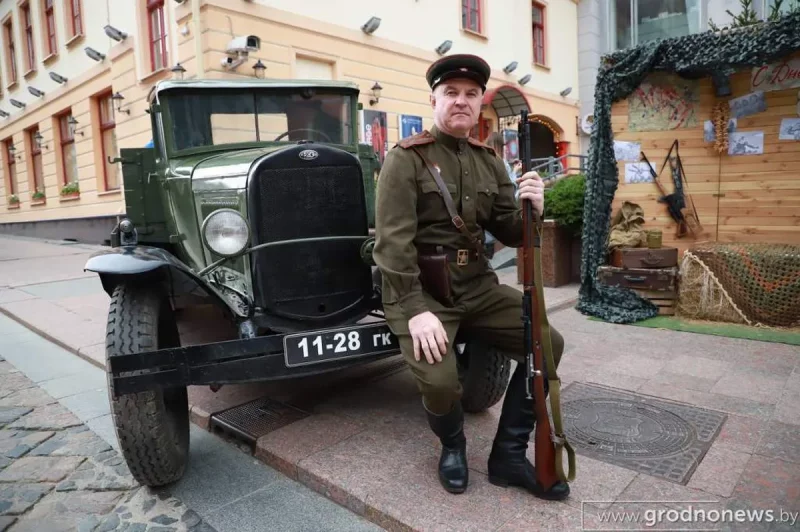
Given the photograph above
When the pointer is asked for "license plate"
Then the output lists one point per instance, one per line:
(336, 344)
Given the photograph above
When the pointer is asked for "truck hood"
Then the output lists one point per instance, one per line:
(231, 167)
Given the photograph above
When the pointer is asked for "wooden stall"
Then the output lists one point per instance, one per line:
(748, 193)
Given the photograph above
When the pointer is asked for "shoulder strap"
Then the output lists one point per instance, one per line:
(448, 201)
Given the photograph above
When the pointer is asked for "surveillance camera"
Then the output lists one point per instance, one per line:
(232, 63)
(244, 44)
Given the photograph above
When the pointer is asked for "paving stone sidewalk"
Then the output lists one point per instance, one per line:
(56, 474)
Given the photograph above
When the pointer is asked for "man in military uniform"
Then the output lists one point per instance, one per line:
(412, 219)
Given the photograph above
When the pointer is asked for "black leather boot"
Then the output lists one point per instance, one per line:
(453, 472)
(508, 465)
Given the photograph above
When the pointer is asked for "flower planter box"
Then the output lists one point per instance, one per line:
(71, 195)
(12, 206)
(38, 201)
(557, 252)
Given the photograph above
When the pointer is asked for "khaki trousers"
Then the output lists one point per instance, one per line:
(492, 315)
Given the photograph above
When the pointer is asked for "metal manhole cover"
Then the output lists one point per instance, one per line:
(252, 420)
(638, 432)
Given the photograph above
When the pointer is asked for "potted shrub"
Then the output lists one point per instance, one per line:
(38, 197)
(71, 190)
(563, 203)
(13, 201)
(561, 231)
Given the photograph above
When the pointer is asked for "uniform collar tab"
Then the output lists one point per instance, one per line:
(449, 140)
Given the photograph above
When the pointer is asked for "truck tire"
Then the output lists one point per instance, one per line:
(152, 427)
(483, 372)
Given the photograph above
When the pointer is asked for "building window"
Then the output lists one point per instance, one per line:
(36, 160)
(537, 18)
(27, 25)
(634, 22)
(74, 18)
(11, 168)
(158, 35)
(69, 156)
(11, 54)
(471, 15)
(108, 138)
(51, 42)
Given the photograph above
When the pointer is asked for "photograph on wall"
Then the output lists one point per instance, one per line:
(710, 132)
(374, 131)
(512, 145)
(627, 151)
(639, 172)
(790, 129)
(746, 143)
(663, 102)
(409, 125)
(749, 104)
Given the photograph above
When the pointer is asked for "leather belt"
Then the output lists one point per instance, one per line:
(462, 257)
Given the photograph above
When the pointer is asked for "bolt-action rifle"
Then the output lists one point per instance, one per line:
(549, 444)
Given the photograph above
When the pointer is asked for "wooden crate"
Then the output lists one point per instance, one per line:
(666, 301)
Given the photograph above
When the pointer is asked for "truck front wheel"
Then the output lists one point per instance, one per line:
(152, 427)
(483, 372)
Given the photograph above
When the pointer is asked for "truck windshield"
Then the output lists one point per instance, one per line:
(212, 118)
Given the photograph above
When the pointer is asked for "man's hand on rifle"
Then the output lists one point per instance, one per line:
(429, 336)
(531, 187)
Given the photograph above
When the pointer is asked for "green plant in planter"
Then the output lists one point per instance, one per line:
(37, 195)
(563, 202)
(13, 199)
(70, 189)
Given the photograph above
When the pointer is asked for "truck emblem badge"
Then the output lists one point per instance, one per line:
(308, 155)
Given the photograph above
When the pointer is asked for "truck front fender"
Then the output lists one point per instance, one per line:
(127, 263)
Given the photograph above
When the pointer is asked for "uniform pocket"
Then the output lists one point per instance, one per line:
(431, 186)
(487, 192)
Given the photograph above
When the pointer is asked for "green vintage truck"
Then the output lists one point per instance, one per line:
(256, 199)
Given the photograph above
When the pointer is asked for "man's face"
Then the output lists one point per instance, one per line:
(456, 106)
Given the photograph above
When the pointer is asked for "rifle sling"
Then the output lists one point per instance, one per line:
(448, 202)
(554, 382)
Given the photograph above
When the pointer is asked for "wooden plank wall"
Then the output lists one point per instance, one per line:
(760, 193)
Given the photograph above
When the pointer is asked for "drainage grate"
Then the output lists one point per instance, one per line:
(638, 432)
(252, 420)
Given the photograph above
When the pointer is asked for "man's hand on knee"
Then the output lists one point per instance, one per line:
(429, 337)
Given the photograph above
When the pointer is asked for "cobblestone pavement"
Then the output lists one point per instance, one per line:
(58, 475)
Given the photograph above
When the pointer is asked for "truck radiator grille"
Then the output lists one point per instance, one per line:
(290, 198)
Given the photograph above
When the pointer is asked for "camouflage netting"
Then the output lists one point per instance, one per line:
(758, 284)
(704, 54)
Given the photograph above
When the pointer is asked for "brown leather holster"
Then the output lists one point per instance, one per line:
(434, 261)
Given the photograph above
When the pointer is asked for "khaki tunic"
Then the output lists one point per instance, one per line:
(410, 212)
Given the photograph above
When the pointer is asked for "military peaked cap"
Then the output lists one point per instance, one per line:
(459, 66)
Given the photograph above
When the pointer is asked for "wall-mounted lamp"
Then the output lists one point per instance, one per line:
(36, 92)
(177, 71)
(511, 67)
(376, 92)
(114, 33)
(260, 69)
(524, 79)
(94, 54)
(444, 47)
(39, 140)
(58, 78)
(17, 103)
(371, 25)
(565, 92)
(12, 150)
(4, 114)
(73, 126)
(117, 97)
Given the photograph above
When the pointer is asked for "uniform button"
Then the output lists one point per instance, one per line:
(487, 190)
(466, 172)
(466, 198)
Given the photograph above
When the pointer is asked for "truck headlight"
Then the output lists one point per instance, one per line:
(226, 232)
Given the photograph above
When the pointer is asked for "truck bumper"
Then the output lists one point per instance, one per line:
(265, 358)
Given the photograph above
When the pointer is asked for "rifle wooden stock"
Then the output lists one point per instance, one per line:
(545, 456)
